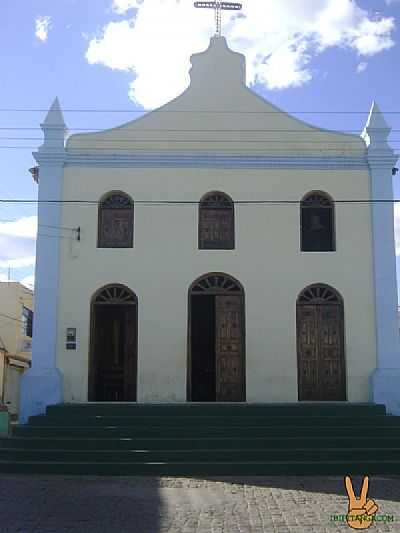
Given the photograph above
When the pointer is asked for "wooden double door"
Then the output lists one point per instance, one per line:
(320, 349)
(217, 361)
(112, 374)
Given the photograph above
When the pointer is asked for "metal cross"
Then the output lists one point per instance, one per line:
(219, 7)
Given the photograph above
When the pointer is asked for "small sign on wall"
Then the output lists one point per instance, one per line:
(71, 339)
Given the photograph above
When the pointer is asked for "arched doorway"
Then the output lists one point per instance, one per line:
(321, 361)
(216, 363)
(113, 345)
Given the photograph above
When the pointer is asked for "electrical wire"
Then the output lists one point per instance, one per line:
(183, 202)
(264, 141)
(11, 318)
(127, 129)
(160, 110)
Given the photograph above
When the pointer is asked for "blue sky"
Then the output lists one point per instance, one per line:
(313, 55)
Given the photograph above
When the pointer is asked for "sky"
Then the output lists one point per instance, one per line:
(323, 61)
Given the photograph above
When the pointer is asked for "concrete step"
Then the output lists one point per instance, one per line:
(206, 431)
(206, 439)
(199, 456)
(243, 468)
(216, 409)
(198, 443)
(212, 421)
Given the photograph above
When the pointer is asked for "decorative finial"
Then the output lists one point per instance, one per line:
(219, 7)
(54, 117)
(54, 128)
(376, 130)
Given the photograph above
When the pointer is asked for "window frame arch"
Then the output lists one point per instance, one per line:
(229, 244)
(332, 220)
(101, 241)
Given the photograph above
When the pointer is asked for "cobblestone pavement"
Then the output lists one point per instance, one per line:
(34, 504)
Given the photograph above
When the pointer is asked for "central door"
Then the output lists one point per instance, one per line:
(113, 361)
(216, 369)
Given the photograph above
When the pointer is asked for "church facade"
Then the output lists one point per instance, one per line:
(213, 250)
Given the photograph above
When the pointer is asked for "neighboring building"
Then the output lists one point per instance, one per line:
(16, 318)
(205, 296)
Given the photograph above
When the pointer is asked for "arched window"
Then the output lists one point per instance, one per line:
(317, 224)
(115, 221)
(216, 222)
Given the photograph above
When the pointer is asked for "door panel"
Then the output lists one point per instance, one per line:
(229, 349)
(114, 356)
(307, 328)
(321, 364)
(331, 361)
(130, 366)
(111, 370)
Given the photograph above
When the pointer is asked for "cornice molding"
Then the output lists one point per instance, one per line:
(209, 160)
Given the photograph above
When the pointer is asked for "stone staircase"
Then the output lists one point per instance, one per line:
(198, 439)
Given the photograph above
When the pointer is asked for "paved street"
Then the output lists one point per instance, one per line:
(177, 505)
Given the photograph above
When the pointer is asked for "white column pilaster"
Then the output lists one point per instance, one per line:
(41, 385)
(385, 381)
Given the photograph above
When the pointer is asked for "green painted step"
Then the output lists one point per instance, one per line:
(243, 468)
(199, 456)
(217, 409)
(224, 443)
(212, 421)
(278, 431)
(206, 439)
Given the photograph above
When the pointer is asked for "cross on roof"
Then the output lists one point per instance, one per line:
(219, 7)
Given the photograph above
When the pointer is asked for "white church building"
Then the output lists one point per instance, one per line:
(215, 251)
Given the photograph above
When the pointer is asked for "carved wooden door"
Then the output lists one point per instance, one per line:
(115, 354)
(321, 364)
(130, 362)
(111, 378)
(229, 349)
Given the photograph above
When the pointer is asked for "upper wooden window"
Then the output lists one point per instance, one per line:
(317, 225)
(27, 322)
(216, 222)
(116, 221)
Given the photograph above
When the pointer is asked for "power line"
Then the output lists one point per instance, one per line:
(39, 225)
(182, 202)
(226, 130)
(53, 236)
(82, 150)
(11, 318)
(158, 110)
(283, 141)
(56, 227)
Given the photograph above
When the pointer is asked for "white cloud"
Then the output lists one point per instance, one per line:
(279, 39)
(23, 227)
(17, 243)
(361, 67)
(21, 262)
(28, 281)
(122, 6)
(42, 28)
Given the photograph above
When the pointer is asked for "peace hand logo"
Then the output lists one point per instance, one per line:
(361, 512)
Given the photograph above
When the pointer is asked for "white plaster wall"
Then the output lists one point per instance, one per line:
(267, 261)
